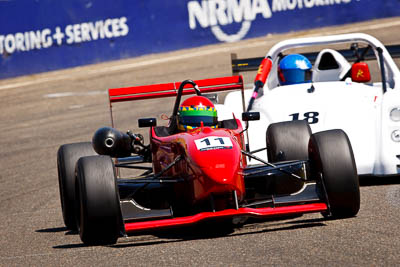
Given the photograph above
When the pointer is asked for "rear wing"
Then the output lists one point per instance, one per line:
(171, 89)
(252, 64)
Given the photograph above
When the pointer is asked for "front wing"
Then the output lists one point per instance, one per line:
(133, 227)
(307, 200)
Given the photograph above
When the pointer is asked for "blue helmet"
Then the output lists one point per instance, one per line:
(294, 69)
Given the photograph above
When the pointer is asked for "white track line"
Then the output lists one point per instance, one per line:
(64, 94)
(188, 55)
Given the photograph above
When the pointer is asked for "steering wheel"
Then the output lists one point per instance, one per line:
(359, 57)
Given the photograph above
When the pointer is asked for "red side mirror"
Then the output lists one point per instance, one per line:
(360, 72)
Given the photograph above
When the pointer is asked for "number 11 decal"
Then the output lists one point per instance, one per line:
(311, 117)
(213, 142)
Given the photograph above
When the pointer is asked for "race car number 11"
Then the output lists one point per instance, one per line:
(213, 142)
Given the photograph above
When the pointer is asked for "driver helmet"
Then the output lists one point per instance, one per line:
(195, 110)
(294, 69)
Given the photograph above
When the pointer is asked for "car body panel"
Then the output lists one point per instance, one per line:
(362, 110)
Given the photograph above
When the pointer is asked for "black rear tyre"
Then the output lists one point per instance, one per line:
(67, 156)
(98, 216)
(332, 163)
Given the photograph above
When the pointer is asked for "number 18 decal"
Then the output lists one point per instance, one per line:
(311, 117)
(213, 142)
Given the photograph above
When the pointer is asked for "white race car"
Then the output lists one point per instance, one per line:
(345, 92)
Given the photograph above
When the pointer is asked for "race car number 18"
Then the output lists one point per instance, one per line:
(311, 117)
(213, 142)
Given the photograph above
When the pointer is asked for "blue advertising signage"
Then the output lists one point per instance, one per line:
(44, 35)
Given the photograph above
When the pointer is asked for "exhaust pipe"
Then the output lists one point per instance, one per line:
(111, 142)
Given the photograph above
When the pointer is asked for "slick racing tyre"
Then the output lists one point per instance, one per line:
(67, 156)
(288, 141)
(332, 163)
(98, 215)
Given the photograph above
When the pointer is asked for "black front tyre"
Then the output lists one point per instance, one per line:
(67, 156)
(332, 163)
(288, 141)
(98, 215)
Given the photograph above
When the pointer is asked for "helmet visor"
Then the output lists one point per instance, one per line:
(195, 121)
(194, 117)
(294, 76)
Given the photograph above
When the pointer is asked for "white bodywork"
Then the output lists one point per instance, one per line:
(362, 110)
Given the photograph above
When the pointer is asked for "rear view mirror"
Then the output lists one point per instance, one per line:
(250, 116)
(147, 122)
(360, 72)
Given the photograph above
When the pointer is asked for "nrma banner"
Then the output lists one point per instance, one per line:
(44, 35)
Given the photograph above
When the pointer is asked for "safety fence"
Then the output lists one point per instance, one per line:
(44, 35)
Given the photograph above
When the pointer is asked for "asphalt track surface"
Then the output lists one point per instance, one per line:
(40, 112)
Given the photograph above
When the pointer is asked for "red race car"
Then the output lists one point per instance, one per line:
(199, 169)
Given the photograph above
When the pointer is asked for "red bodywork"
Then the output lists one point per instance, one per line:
(214, 168)
(212, 161)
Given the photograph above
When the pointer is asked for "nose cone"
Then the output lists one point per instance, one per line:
(218, 158)
(221, 178)
(220, 166)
